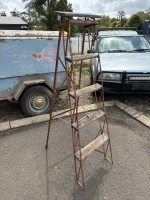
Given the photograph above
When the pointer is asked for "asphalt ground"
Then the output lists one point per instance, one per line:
(29, 172)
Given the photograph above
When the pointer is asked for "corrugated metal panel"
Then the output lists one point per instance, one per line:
(12, 20)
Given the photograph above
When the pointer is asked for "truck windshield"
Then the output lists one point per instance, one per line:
(124, 44)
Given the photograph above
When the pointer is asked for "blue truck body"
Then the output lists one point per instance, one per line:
(27, 59)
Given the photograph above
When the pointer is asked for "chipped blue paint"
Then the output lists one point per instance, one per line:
(27, 58)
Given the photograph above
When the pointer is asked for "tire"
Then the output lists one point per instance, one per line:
(36, 101)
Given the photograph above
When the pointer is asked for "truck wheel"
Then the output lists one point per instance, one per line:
(36, 101)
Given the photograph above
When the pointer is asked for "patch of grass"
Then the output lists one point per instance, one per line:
(86, 70)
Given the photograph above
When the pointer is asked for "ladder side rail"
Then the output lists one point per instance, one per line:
(90, 46)
(99, 68)
(109, 140)
(93, 79)
(54, 87)
(103, 99)
(75, 91)
(79, 85)
(82, 52)
(80, 169)
(64, 50)
(73, 114)
(76, 134)
(89, 42)
(71, 80)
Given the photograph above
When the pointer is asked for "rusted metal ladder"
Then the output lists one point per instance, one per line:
(75, 92)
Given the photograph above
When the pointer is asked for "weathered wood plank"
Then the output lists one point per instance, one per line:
(81, 57)
(85, 90)
(92, 146)
(85, 22)
(90, 118)
(76, 14)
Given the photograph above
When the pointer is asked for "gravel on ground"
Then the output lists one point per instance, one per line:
(10, 111)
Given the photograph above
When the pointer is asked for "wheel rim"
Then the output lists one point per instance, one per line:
(39, 103)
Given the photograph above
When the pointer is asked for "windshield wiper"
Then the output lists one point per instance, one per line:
(116, 50)
(141, 50)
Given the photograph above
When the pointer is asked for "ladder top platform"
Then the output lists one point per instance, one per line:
(74, 14)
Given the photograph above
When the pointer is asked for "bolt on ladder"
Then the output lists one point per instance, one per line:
(75, 92)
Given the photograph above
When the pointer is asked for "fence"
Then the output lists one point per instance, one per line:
(77, 44)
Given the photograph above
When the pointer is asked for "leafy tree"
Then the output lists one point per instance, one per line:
(124, 21)
(145, 15)
(104, 22)
(3, 14)
(115, 23)
(15, 13)
(114, 19)
(44, 10)
(135, 21)
(32, 19)
(49, 19)
(121, 14)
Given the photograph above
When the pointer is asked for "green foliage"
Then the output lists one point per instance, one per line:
(43, 12)
(145, 15)
(135, 21)
(104, 22)
(124, 21)
(15, 13)
(115, 24)
(40, 15)
(107, 22)
(49, 18)
(86, 69)
(3, 14)
(121, 15)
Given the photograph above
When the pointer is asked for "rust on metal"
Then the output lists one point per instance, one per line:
(75, 91)
(87, 22)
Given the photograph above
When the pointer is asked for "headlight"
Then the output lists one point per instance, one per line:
(111, 77)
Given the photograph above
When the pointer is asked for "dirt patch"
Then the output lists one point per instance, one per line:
(141, 102)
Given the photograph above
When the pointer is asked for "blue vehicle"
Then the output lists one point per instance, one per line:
(27, 66)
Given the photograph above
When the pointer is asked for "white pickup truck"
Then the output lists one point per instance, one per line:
(125, 61)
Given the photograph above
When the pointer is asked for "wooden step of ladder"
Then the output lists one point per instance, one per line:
(85, 23)
(85, 90)
(76, 14)
(91, 146)
(88, 23)
(89, 19)
(76, 58)
(90, 118)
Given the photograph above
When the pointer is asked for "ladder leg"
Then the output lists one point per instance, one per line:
(54, 88)
(75, 91)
